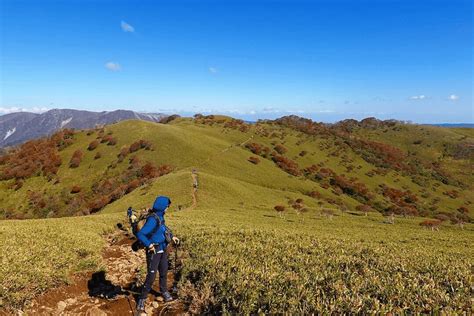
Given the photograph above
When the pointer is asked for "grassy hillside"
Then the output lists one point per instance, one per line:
(322, 253)
(432, 166)
(42, 253)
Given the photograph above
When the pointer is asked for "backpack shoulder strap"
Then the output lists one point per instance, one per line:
(158, 223)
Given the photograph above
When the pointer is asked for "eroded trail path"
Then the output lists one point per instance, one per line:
(113, 292)
(194, 176)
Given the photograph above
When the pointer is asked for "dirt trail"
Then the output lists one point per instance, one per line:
(113, 292)
(194, 176)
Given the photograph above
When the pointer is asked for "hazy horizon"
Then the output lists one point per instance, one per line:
(326, 118)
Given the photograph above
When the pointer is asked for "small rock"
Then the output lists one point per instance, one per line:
(160, 299)
(70, 301)
(155, 304)
(96, 301)
(62, 306)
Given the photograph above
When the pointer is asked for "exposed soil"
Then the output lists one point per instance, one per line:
(110, 292)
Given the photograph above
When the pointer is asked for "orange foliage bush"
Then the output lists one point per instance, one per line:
(433, 224)
(287, 165)
(35, 157)
(314, 194)
(75, 189)
(76, 159)
(93, 145)
(280, 149)
(254, 160)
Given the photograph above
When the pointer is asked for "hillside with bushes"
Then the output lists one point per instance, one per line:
(284, 215)
(382, 166)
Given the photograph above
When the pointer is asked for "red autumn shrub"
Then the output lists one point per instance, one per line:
(280, 149)
(351, 187)
(97, 203)
(112, 141)
(314, 194)
(93, 145)
(147, 145)
(76, 159)
(463, 210)
(304, 125)
(324, 173)
(164, 170)
(123, 153)
(287, 165)
(75, 189)
(254, 148)
(35, 157)
(432, 224)
(254, 160)
(237, 124)
(132, 185)
(135, 147)
(134, 162)
(364, 208)
(280, 209)
(452, 194)
(105, 139)
(399, 197)
(311, 170)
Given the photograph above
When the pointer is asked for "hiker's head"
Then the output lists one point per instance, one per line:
(161, 204)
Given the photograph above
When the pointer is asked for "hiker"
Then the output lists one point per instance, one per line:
(155, 236)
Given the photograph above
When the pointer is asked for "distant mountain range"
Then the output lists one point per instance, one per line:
(16, 128)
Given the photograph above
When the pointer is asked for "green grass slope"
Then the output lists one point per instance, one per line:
(321, 254)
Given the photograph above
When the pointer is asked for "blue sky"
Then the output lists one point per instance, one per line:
(328, 60)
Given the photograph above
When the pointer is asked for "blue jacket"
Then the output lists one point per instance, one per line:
(158, 237)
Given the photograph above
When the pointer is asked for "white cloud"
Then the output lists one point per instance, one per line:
(271, 110)
(127, 27)
(453, 97)
(213, 70)
(418, 97)
(13, 109)
(112, 66)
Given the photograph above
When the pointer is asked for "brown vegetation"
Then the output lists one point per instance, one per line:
(76, 159)
(93, 145)
(36, 157)
(254, 160)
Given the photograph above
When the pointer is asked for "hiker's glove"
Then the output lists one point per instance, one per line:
(151, 248)
(176, 240)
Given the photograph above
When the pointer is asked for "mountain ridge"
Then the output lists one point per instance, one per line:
(16, 128)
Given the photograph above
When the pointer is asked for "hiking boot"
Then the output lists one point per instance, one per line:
(167, 297)
(141, 305)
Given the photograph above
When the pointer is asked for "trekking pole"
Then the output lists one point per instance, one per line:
(176, 259)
